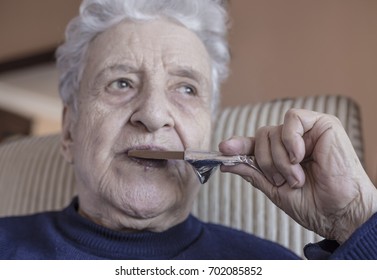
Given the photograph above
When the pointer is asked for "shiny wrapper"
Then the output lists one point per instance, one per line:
(206, 163)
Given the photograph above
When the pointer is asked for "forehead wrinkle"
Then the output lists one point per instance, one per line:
(188, 72)
(137, 53)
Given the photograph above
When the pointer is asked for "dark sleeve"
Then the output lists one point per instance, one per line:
(362, 245)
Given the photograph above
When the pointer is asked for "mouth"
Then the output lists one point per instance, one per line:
(151, 163)
(147, 163)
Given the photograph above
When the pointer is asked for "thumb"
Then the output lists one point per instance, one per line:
(237, 145)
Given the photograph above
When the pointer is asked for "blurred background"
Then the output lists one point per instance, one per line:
(280, 48)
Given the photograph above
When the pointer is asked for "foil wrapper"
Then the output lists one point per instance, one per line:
(206, 163)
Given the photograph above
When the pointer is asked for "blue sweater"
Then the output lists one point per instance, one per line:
(67, 235)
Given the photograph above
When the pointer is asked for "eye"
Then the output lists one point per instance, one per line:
(120, 84)
(186, 89)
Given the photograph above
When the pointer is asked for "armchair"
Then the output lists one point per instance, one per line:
(34, 177)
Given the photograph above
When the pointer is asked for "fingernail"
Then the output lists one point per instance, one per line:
(292, 157)
(278, 179)
(292, 182)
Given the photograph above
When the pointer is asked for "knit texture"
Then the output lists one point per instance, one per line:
(67, 235)
(362, 245)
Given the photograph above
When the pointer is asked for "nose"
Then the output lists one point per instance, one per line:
(154, 111)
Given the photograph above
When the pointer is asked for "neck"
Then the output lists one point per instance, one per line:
(117, 220)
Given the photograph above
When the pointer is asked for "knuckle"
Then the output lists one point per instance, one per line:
(262, 132)
(335, 120)
(292, 113)
(331, 121)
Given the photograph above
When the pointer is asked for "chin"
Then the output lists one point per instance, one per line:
(148, 199)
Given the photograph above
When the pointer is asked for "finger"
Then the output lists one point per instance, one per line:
(263, 156)
(237, 145)
(244, 145)
(292, 173)
(296, 123)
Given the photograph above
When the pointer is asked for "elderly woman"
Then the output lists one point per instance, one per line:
(145, 75)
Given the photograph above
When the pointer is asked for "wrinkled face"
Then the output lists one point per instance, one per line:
(146, 85)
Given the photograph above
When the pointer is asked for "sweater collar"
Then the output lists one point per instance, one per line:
(105, 242)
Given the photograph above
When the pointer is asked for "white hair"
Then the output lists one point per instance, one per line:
(206, 18)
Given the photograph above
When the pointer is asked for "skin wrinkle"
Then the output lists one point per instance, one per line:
(336, 196)
(114, 190)
(341, 215)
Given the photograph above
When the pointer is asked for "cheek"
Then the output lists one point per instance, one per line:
(206, 144)
(86, 142)
(197, 130)
(94, 134)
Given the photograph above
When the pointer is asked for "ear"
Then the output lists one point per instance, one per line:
(67, 134)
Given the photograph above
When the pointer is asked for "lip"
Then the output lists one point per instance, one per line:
(145, 147)
(147, 163)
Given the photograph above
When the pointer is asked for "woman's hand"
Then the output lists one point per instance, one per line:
(311, 172)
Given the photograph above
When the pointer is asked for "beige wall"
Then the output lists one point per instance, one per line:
(29, 27)
(305, 47)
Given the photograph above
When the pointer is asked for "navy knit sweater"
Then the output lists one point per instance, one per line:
(67, 235)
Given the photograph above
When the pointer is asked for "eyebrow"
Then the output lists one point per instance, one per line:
(116, 67)
(188, 72)
(180, 71)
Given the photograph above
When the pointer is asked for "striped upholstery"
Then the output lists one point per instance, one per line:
(34, 177)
